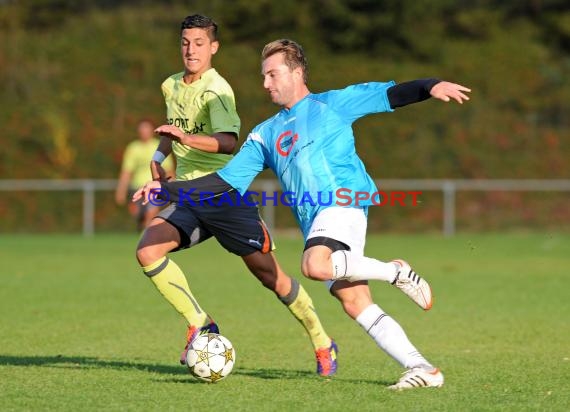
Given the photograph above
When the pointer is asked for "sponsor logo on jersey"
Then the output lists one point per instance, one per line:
(285, 142)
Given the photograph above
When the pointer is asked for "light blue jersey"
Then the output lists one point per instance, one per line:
(310, 148)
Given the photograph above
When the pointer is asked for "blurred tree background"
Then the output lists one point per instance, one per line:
(78, 75)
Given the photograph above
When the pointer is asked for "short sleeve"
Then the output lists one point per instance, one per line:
(223, 113)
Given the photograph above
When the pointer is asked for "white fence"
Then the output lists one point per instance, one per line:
(448, 188)
(87, 186)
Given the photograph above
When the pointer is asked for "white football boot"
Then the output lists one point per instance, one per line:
(419, 378)
(412, 285)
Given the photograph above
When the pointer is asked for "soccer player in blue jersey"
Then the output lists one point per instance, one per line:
(309, 144)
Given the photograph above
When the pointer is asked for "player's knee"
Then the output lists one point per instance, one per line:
(147, 255)
(316, 270)
(142, 256)
(156, 242)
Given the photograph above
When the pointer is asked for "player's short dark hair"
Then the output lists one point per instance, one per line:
(293, 54)
(201, 22)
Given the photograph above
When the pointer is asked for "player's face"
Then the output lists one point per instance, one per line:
(197, 51)
(279, 80)
(146, 131)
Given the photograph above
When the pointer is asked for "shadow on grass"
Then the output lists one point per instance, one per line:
(264, 373)
(182, 376)
(83, 362)
(288, 374)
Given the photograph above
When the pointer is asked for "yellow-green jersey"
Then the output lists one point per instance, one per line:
(136, 161)
(205, 106)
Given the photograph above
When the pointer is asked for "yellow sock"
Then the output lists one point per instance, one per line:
(171, 283)
(300, 304)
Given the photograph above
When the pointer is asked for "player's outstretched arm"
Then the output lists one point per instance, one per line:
(198, 189)
(416, 91)
(447, 91)
(195, 190)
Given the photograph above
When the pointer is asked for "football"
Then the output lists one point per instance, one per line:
(211, 357)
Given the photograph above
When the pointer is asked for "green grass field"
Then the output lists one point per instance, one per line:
(83, 329)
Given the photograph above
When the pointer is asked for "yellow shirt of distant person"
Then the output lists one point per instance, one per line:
(136, 160)
(195, 108)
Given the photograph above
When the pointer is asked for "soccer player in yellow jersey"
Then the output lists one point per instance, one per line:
(202, 132)
(135, 172)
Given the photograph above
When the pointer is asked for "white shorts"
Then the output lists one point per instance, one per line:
(345, 224)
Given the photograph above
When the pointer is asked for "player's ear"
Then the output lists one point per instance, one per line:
(298, 71)
(214, 47)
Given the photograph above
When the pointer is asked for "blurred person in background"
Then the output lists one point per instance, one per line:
(135, 171)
